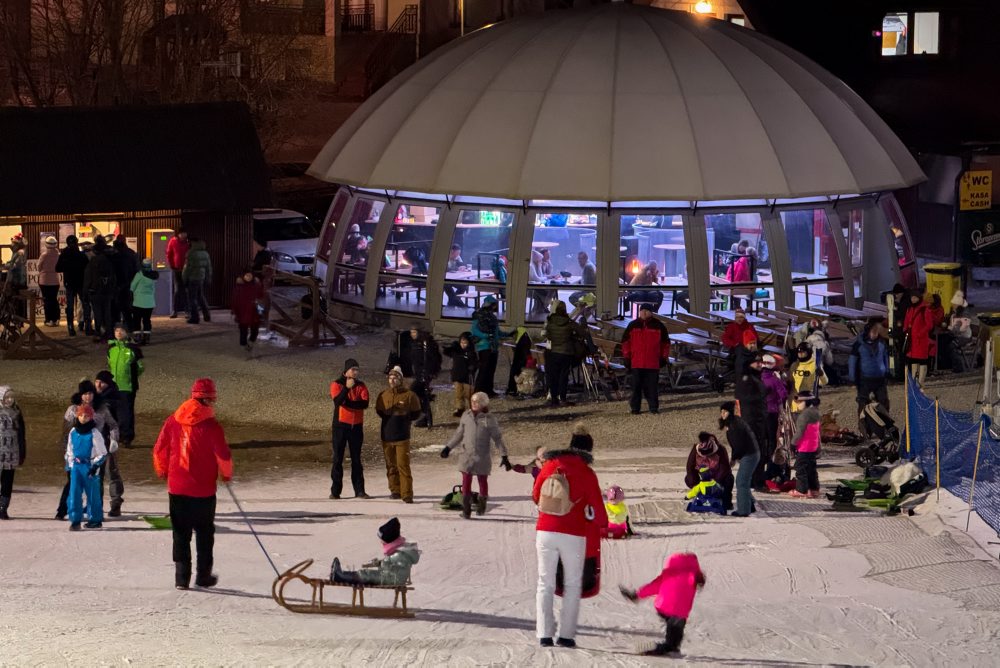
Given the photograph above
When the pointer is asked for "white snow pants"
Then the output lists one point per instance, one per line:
(552, 548)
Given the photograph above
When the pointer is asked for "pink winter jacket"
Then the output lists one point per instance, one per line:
(808, 431)
(675, 586)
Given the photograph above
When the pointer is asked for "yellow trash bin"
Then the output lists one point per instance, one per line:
(945, 279)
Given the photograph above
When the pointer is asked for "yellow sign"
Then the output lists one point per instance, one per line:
(975, 191)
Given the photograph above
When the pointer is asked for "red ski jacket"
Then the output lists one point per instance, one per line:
(584, 489)
(177, 252)
(733, 334)
(191, 451)
(244, 302)
(645, 343)
(918, 324)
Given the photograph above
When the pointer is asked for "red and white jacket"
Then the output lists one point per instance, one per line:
(588, 511)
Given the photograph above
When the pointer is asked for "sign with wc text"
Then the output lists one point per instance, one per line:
(975, 190)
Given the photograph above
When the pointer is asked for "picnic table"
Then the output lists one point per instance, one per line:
(848, 313)
(817, 291)
(731, 315)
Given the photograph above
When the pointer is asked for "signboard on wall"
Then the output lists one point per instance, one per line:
(975, 190)
(979, 237)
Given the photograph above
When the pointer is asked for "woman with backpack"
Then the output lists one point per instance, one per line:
(570, 505)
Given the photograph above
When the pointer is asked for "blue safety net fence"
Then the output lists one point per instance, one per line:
(959, 434)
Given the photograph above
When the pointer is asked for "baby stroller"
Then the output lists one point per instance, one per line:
(883, 437)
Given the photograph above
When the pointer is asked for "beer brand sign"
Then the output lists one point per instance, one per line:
(984, 238)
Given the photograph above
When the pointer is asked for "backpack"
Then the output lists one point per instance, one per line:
(554, 498)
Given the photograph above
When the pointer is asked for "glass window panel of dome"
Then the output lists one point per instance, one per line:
(557, 242)
(895, 34)
(852, 225)
(349, 285)
(325, 245)
(361, 231)
(652, 262)
(813, 253)
(409, 245)
(926, 31)
(483, 237)
(904, 253)
(738, 254)
(401, 293)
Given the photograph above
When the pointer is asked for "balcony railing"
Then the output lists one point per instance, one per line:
(280, 19)
(358, 18)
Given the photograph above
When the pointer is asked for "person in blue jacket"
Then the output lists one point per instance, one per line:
(868, 366)
(85, 452)
(486, 333)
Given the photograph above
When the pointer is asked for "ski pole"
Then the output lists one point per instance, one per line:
(247, 520)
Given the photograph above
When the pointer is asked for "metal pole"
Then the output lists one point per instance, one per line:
(247, 520)
(975, 470)
(461, 18)
(937, 445)
(906, 404)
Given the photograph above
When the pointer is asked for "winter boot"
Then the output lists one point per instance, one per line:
(4, 504)
(208, 316)
(481, 505)
(182, 575)
(206, 579)
(423, 421)
(466, 506)
(71, 329)
(116, 510)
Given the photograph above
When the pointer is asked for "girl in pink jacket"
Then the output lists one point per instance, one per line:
(674, 589)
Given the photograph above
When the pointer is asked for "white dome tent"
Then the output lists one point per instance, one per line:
(635, 135)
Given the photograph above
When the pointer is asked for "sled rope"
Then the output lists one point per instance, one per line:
(247, 520)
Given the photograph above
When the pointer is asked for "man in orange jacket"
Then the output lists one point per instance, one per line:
(191, 454)
(350, 399)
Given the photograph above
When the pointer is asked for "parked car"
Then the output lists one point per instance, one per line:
(290, 236)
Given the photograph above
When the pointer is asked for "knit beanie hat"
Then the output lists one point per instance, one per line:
(739, 310)
(389, 531)
(350, 363)
(203, 388)
(581, 439)
(51, 241)
(707, 444)
(395, 371)
(121, 325)
(729, 406)
(86, 386)
(749, 336)
(105, 376)
(531, 362)
(147, 263)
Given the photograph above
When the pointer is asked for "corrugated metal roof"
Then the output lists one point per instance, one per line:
(72, 159)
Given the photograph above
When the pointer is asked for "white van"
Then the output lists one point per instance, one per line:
(290, 236)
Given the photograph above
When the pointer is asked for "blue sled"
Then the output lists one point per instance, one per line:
(702, 504)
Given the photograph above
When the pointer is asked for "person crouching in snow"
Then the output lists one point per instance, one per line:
(393, 569)
(619, 525)
(807, 446)
(84, 453)
(674, 589)
(535, 467)
(709, 453)
(528, 381)
(477, 429)
(12, 446)
(247, 306)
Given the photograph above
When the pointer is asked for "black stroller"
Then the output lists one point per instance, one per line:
(883, 437)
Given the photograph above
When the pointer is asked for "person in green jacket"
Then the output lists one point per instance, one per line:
(393, 569)
(144, 301)
(126, 365)
(197, 274)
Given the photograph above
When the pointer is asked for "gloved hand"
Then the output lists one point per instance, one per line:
(504, 462)
(628, 593)
(445, 453)
(113, 447)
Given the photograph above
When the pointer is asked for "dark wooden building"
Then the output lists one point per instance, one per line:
(143, 168)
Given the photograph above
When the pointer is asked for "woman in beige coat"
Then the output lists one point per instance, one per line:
(477, 431)
(48, 280)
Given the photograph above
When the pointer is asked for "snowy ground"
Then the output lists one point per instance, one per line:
(792, 586)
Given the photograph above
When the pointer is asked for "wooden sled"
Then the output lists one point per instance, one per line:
(357, 606)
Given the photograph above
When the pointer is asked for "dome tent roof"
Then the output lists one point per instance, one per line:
(617, 102)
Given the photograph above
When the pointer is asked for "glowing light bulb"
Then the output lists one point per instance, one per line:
(703, 7)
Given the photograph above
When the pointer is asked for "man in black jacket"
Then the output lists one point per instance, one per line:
(127, 265)
(420, 357)
(100, 284)
(72, 264)
(744, 446)
(750, 392)
(398, 407)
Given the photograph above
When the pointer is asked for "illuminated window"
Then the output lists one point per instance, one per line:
(909, 33)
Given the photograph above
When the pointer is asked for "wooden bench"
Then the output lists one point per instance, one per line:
(318, 605)
(876, 308)
(400, 289)
(778, 317)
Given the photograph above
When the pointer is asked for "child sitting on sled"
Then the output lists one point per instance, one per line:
(393, 569)
(528, 381)
(619, 525)
(535, 467)
(674, 589)
(706, 496)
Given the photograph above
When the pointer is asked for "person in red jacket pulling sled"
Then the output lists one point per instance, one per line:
(646, 347)
(191, 454)
(570, 505)
(674, 589)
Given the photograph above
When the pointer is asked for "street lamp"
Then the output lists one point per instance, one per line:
(703, 7)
